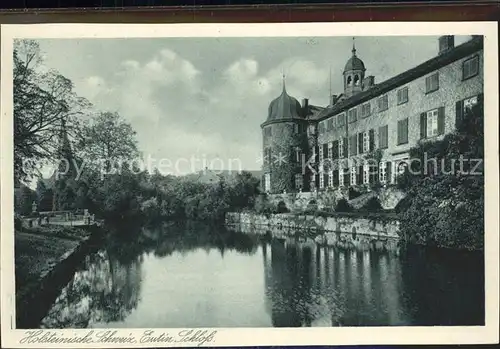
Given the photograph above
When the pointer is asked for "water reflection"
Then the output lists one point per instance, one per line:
(200, 276)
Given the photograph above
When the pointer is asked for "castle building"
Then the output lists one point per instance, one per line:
(307, 147)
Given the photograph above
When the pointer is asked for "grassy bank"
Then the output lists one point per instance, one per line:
(44, 258)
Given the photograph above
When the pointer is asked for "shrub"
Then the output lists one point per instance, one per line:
(263, 205)
(372, 205)
(353, 193)
(281, 208)
(343, 206)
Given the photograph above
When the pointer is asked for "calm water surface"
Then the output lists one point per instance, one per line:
(201, 276)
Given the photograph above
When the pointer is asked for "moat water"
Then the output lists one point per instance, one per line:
(200, 276)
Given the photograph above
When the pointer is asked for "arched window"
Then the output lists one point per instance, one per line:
(349, 80)
(356, 80)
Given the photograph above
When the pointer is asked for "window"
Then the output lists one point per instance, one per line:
(403, 95)
(330, 150)
(432, 83)
(383, 103)
(312, 129)
(383, 133)
(267, 182)
(341, 120)
(321, 153)
(469, 103)
(268, 131)
(365, 110)
(470, 68)
(353, 175)
(382, 173)
(321, 127)
(341, 177)
(330, 179)
(366, 142)
(356, 79)
(299, 181)
(349, 80)
(341, 148)
(321, 181)
(352, 115)
(267, 155)
(353, 145)
(432, 123)
(403, 131)
(366, 174)
(298, 155)
(329, 124)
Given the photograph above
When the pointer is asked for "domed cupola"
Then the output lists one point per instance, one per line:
(354, 73)
(284, 107)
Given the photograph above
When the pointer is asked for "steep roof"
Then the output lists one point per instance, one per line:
(284, 107)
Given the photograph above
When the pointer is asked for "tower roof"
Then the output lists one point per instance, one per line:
(354, 63)
(284, 107)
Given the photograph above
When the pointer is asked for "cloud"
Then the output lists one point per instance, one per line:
(180, 111)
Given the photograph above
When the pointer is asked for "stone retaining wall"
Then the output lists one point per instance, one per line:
(342, 230)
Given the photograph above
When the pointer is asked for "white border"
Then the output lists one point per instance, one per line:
(271, 336)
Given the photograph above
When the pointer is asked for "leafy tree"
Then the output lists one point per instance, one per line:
(43, 101)
(24, 200)
(45, 196)
(446, 208)
(107, 139)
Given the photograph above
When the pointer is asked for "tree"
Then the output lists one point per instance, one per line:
(44, 195)
(43, 101)
(107, 139)
(445, 207)
(24, 200)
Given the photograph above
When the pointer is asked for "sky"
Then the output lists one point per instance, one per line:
(199, 102)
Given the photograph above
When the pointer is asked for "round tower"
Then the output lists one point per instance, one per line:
(284, 143)
(354, 73)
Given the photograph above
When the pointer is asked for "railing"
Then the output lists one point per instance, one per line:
(69, 218)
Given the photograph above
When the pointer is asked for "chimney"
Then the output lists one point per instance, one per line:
(368, 82)
(333, 99)
(305, 104)
(446, 43)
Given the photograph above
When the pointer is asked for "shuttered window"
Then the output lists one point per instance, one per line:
(352, 115)
(360, 142)
(432, 83)
(341, 120)
(403, 95)
(465, 105)
(383, 134)
(470, 68)
(383, 103)
(335, 150)
(432, 123)
(329, 124)
(365, 110)
(321, 127)
(353, 146)
(403, 131)
(371, 140)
